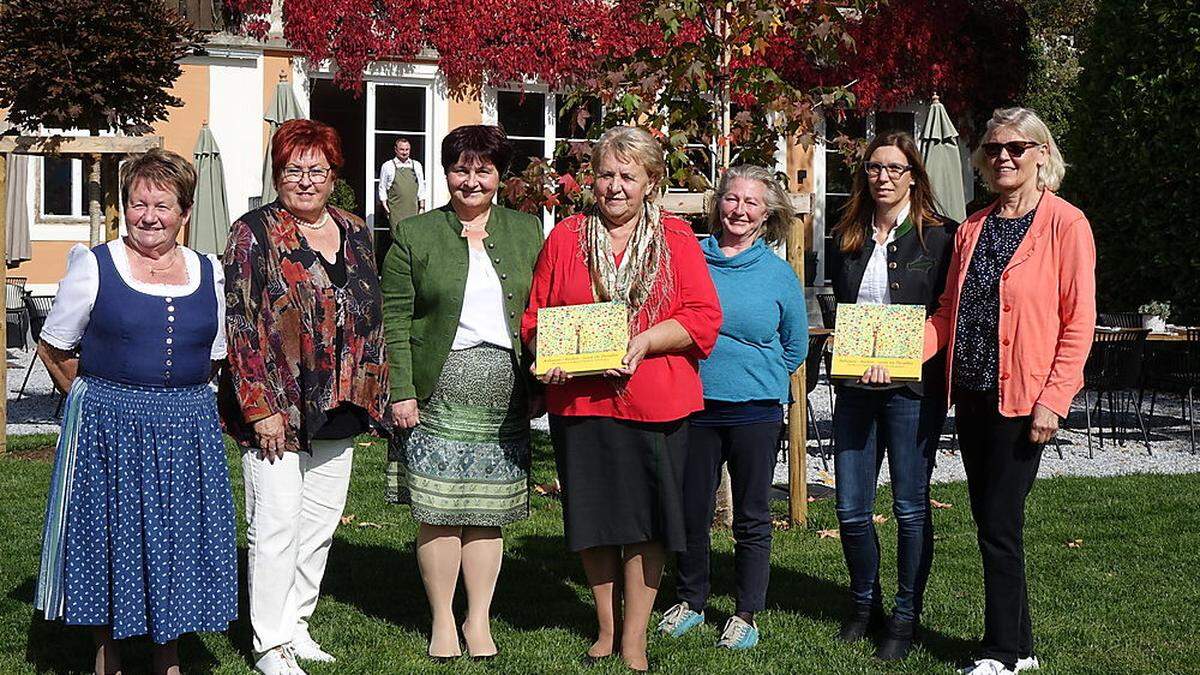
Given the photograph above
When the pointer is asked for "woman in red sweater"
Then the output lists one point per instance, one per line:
(620, 438)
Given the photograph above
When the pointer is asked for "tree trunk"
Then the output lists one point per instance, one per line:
(91, 165)
(723, 514)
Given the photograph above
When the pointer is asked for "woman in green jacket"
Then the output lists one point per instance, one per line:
(455, 284)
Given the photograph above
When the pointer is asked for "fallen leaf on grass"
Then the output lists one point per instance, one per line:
(363, 445)
(812, 499)
(829, 534)
(548, 489)
(940, 505)
(879, 518)
(781, 523)
(367, 523)
(1074, 543)
(346, 520)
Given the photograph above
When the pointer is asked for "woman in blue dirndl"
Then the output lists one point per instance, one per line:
(139, 536)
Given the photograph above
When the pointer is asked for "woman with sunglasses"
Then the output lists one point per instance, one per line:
(891, 248)
(1017, 320)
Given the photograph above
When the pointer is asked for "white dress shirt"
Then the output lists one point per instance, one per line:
(72, 309)
(482, 317)
(387, 174)
(874, 287)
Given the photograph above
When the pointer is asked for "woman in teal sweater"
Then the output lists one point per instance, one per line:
(763, 339)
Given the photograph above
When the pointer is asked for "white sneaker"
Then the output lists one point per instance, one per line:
(307, 649)
(1028, 663)
(278, 661)
(986, 667)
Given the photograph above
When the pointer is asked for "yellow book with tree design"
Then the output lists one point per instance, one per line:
(867, 335)
(582, 339)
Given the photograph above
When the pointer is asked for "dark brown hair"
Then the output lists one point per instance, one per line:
(855, 225)
(164, 170)
(484, 142)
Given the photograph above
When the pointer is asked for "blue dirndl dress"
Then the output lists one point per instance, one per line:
(139, 532)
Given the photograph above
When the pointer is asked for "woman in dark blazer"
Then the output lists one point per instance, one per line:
(891, 248)
(455, 284)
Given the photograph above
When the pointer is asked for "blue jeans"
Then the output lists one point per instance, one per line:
(866, 423)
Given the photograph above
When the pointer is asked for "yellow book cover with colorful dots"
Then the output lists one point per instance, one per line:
(582, 339)
(892, 336)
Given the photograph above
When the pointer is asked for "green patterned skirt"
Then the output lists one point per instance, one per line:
(468, 460)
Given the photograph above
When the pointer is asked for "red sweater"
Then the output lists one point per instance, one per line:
(664, 387)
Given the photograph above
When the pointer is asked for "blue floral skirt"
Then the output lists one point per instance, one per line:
(139, 531)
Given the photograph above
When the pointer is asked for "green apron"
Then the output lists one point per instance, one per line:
(402, 196)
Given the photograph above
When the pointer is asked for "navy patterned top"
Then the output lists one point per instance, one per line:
(977, 334)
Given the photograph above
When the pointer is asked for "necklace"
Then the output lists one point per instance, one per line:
(154, 271)
(317, 225)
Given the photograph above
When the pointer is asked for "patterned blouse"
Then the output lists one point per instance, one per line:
(977, 335)
(281, 320)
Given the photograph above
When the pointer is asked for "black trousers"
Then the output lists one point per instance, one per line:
(750, 451)
(1001, 464)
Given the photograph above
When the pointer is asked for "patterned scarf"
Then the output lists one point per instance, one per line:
(643, 280)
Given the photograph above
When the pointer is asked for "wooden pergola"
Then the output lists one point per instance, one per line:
(797, 417)
(102, 155)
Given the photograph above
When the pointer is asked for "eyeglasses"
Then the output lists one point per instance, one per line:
(317, 175)
(894, 171)
(1014, 148)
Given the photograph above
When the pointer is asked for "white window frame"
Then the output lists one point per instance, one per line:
(396, 73)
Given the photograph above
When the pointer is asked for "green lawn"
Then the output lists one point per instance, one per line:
(1124, 601)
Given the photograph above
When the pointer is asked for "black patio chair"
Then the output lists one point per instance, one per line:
(812, 369)
(38, 307)
(15, 316)
(1119, 319)
(1114, 370)
(828, 304)
(1175, 368)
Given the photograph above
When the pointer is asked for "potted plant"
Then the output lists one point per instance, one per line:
(1154, 315)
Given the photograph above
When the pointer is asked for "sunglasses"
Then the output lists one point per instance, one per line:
(1014, 148)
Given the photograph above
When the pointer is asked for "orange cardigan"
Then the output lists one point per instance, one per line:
(1047, 308)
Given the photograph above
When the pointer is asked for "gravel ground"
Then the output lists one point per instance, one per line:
(1169, 437)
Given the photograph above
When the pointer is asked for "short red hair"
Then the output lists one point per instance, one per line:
(295, 136)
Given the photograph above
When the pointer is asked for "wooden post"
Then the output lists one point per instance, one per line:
(111, 189)
(4, 278)
(91, 166)
(798, 410)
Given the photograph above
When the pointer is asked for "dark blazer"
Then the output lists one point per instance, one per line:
(916, 276)
(424, 278)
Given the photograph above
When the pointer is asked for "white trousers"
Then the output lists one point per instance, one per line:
(293, 507)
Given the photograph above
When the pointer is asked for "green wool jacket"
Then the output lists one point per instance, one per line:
(424, 278)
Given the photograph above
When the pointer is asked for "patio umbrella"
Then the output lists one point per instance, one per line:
(284, 107)
(210, 212)
(939, 147)
(16, 213)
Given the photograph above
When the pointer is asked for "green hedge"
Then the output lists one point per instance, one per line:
(1135, 151)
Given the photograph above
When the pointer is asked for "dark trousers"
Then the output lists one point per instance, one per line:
(1001, 464)
(866, 423)
(750, 451)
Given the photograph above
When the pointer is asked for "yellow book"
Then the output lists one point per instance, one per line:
(892, 336)
(582, 339)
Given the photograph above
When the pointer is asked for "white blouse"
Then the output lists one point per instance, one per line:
(874, 287)
(77, 293)
(482, 317)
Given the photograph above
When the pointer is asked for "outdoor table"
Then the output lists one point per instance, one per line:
(1177, 335)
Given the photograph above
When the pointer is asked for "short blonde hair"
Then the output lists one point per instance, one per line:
(633, 144)
(1027, 123)
(779, 206)
(164, 170)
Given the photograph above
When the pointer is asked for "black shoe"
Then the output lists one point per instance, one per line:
(866, 619)
(897, 640)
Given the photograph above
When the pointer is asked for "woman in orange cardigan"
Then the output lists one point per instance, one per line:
(1017, 319)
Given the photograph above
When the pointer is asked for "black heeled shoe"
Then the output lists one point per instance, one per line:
(897, 640)
(864, 621)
